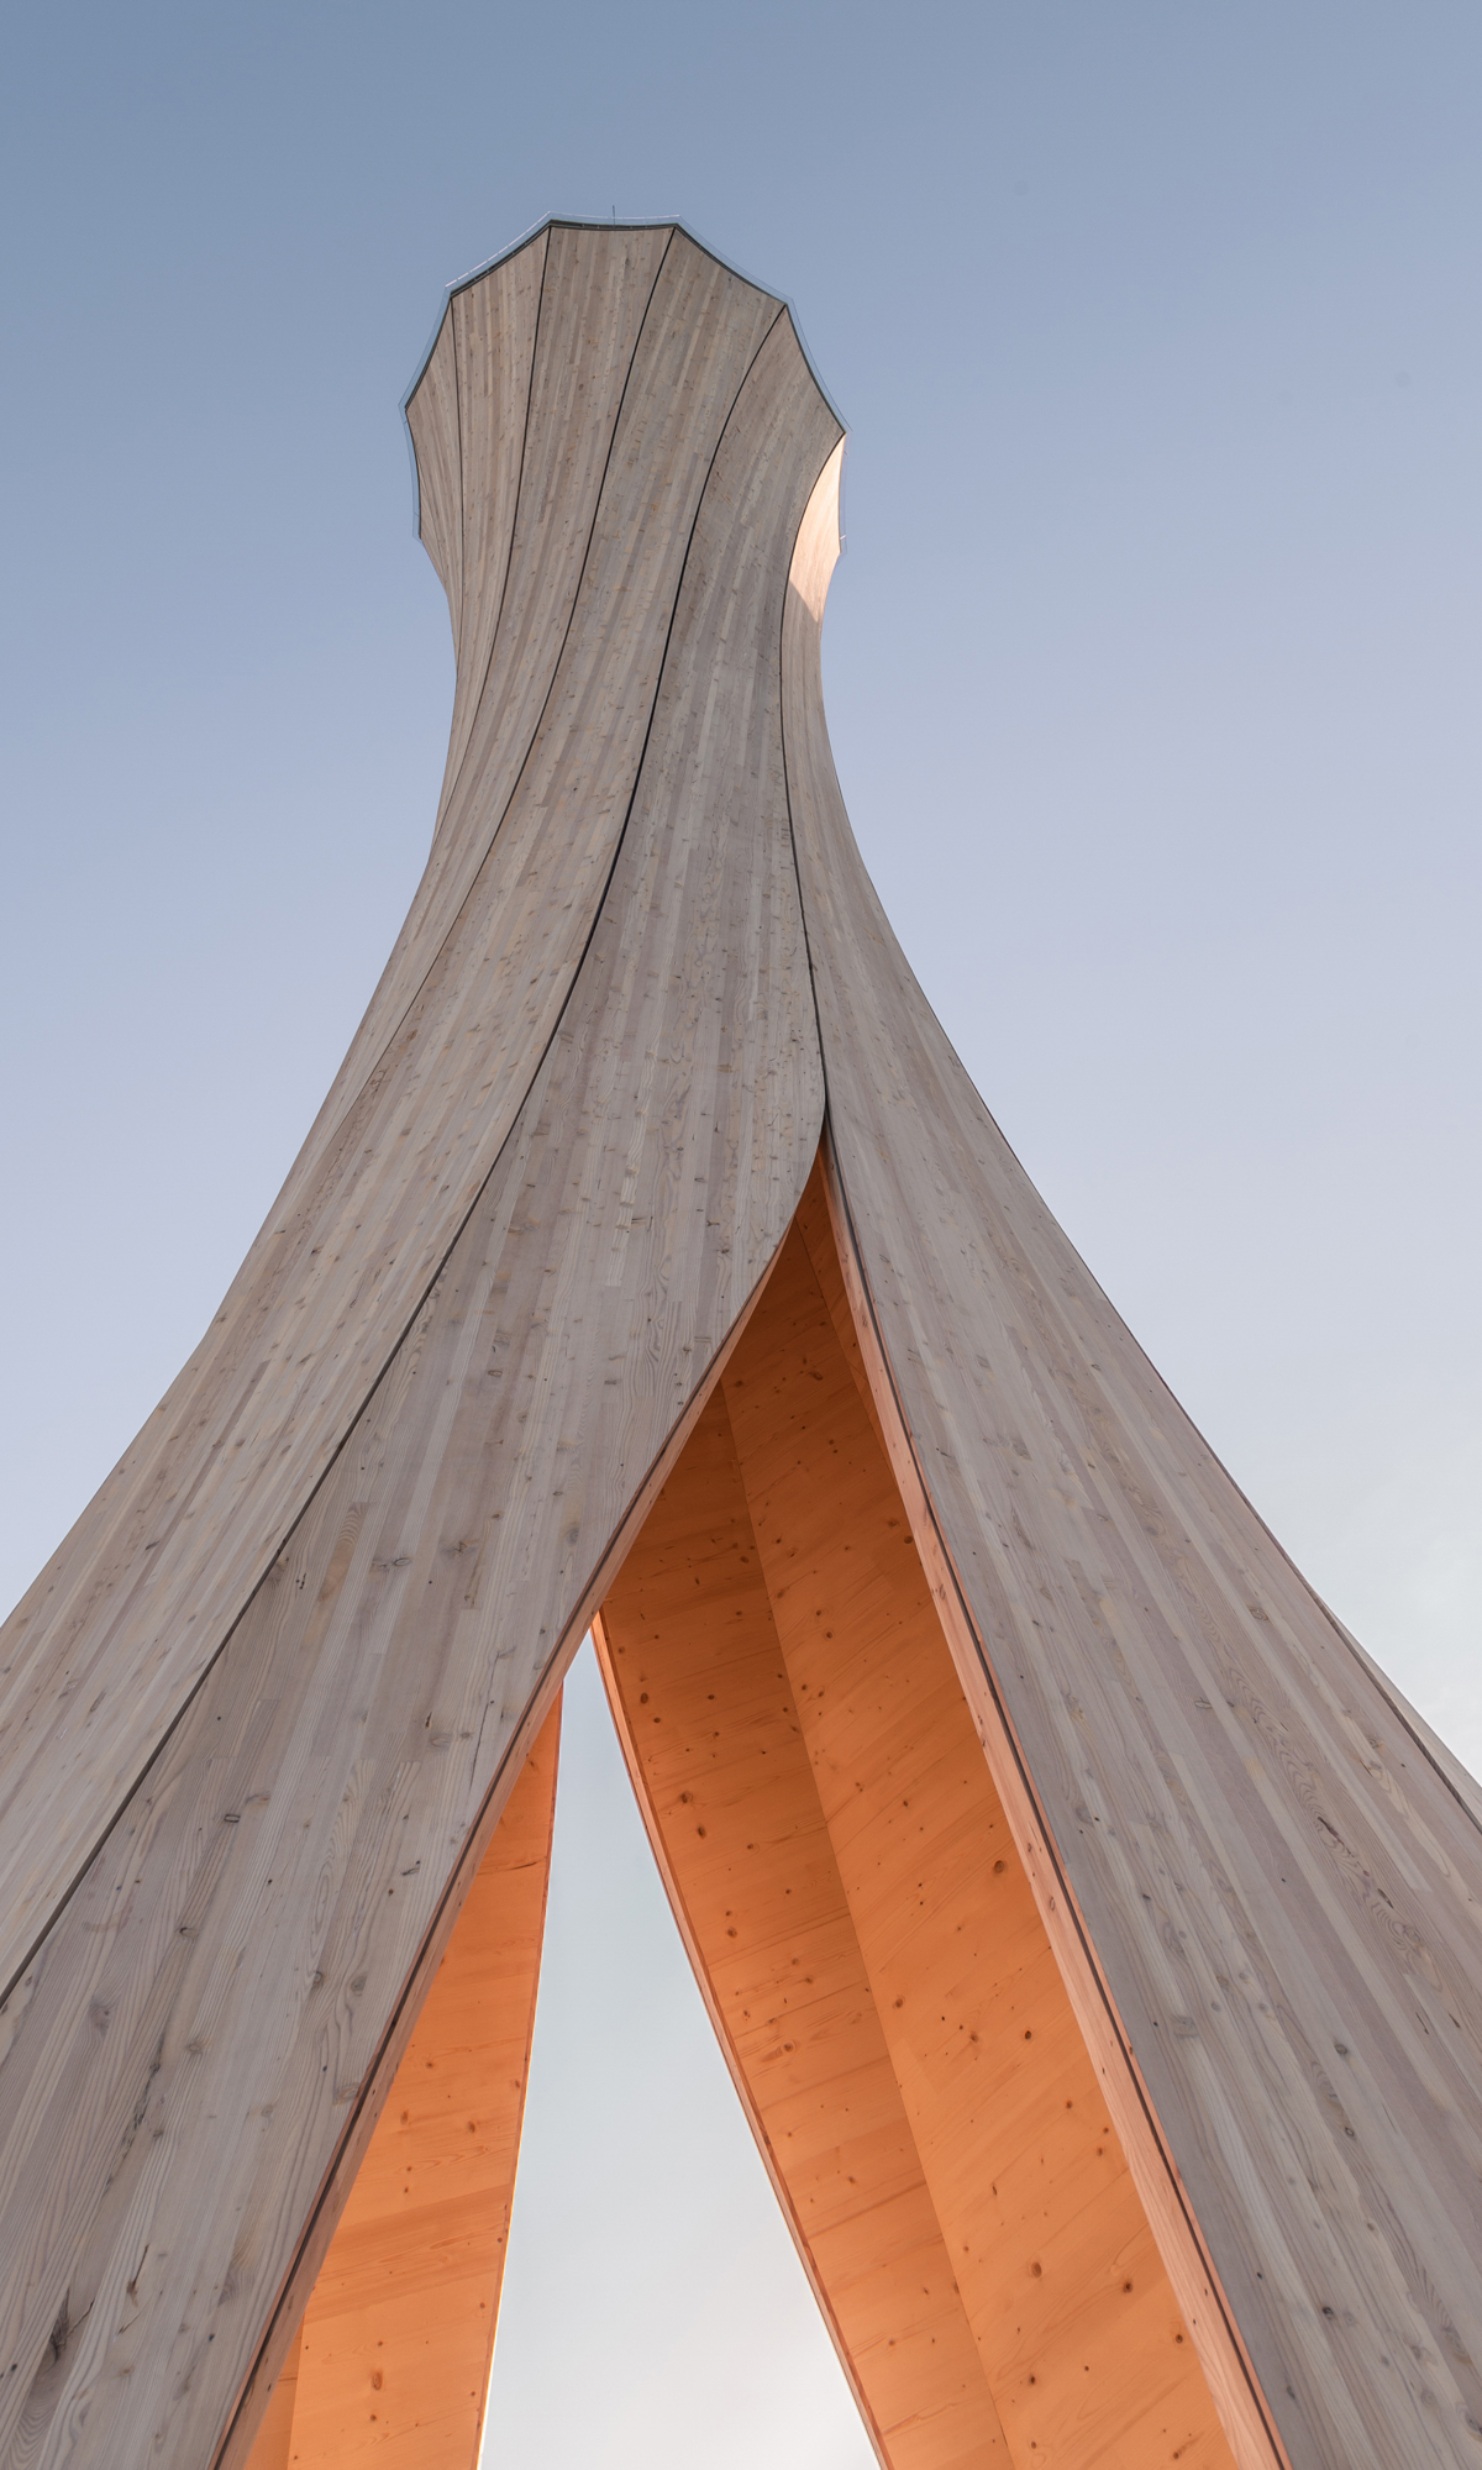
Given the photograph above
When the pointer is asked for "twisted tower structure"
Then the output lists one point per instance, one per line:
(1092, 1931)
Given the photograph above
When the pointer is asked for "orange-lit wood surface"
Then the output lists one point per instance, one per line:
(876, 1963)
(391, 2364)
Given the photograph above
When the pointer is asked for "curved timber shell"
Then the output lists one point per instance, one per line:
(1092, 1931)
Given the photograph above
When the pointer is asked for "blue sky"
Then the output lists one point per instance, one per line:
(1152, 671)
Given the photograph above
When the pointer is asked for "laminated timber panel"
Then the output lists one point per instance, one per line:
(652, 350)
(700, 1691)
(201, 2041)
(1261, 1877)
(851, 1891)
(391, 2363)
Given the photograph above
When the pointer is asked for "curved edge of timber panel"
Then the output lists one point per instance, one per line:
(1257, 1874)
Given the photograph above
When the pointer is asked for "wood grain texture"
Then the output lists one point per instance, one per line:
(200, 2045)
(391, 2364)
(100, 1656)
(774, 1647)
(1263, 1887)
(705, 1710)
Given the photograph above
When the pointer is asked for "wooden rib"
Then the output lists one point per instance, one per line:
(100, 1656)
(706, 1715)
(774, 1619)
(361, 1719)
(391, 2367)
(1264, 1895)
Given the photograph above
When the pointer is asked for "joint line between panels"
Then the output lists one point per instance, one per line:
(792, 835)
(451, 787)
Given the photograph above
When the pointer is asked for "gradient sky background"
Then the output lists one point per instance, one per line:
(1153, 677)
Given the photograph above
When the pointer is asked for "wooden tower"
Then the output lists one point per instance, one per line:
(1091, 1930)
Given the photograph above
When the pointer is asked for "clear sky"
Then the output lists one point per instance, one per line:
(1153, 676)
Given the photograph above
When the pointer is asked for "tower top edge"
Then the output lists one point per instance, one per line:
(595, 223)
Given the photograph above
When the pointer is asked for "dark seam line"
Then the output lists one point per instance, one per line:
(453, 785)
(448, 789)
(1072, 1904)
(787, 784)
(445, 795)
(615, 1533)
(462, 524)
(509, 559)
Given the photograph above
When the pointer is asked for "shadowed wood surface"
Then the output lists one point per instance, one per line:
(248, 1947)
(391, 2363)
(773, 1622)
(1263, 1889)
